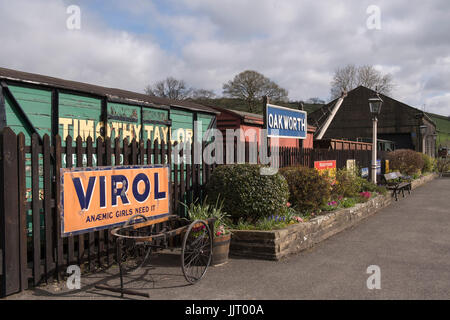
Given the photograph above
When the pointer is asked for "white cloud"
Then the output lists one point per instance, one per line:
(298, 44)
(439, 104)
(35, 39)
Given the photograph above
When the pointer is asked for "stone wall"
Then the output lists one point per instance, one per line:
(418, 182)
(276, 244)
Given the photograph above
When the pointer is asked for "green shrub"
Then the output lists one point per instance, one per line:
(203, 211)
(443, 165)
(246, 193)
(428, 163)
(347, 184)
(308, 189)
(348, 202)
(406, 161)
(382, 190)
(366, 185)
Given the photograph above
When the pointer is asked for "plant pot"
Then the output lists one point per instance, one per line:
(221, 248)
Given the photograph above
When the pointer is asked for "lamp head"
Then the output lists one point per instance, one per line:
(423, 129)
(375, 105)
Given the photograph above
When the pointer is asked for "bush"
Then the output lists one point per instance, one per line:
(428, 163)
(246, 193)
(308, 189)
(406, 161)
(347, 184)
(443, 165)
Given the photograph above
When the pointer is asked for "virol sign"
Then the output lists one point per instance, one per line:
(102, 197)
(284, 122)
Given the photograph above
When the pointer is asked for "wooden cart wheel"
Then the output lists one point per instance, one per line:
(133, 255)
(196, 251)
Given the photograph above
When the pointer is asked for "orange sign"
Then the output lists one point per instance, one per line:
(102, 197)
(327, 168)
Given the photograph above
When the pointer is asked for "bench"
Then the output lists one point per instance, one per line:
(395, 181)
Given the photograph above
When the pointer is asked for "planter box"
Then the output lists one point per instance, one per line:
(276, 244)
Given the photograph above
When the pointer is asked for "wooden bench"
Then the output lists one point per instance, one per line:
(395, 181)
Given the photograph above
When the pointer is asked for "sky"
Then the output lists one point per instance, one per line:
(298, 44)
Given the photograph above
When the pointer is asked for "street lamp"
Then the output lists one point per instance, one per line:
(434, 135)
(375, 109)
(423, 131)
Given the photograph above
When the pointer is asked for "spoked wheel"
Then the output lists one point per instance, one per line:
(132, 254)
(196, 251)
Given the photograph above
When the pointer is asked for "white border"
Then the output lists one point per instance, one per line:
(288, 137)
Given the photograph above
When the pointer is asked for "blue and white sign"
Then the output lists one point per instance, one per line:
(284, 122)
(364, 172)
(378, 166)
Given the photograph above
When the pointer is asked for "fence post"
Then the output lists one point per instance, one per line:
(9, 214)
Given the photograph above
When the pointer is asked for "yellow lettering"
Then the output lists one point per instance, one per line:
(164, 133)
(189, 135)
(137, 131)
(180, 135)
(127, 132)
(156, 135)
(149, 130)
(86, 129)
(75, 129)
(65, 123)
(116, 126)
(170, 135)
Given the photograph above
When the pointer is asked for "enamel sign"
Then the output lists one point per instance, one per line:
(327, 168)
(284, 122)
(103, 197)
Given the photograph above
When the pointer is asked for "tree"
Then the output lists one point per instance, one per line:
(250, 86)
(350, 77)
(315, 100)
(202, 94)
(169, 88)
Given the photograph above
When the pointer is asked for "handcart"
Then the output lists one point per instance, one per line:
(139, 236)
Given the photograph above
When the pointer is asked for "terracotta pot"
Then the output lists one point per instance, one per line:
(221, 248)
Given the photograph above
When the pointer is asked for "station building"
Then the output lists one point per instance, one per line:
(399, 124)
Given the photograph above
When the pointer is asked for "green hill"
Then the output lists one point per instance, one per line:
(237, 104)
(442, 128)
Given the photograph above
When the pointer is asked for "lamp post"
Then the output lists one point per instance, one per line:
(423, 131)
(434, 145)
(375, 108)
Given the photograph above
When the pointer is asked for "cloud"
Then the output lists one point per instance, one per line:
(438, 104)
(298, 44)
(36, 39)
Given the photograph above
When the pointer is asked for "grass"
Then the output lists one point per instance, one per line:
(443, 129)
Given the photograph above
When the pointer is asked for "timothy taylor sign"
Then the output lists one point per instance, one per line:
(284, 122)
(101, 197)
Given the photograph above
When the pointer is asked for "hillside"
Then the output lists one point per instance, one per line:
(236, 104)
(442, 128)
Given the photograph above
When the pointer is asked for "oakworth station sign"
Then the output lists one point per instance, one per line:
(284, 122)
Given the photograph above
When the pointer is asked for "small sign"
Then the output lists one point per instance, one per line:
(327, 168)
(351, 165)
(284, 122)
(378, 166)
(386, 166)
(364, 172)
(103, 197)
